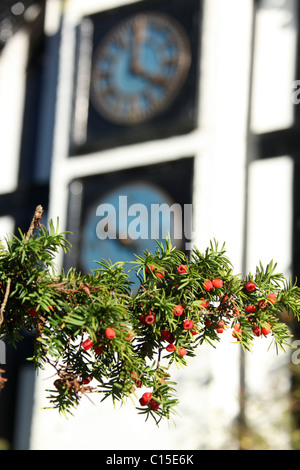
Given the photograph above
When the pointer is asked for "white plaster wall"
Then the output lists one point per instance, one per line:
(13, 61)
(270, 238)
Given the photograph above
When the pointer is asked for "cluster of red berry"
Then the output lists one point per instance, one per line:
(147, 400)
(209, 285)
(147, 397)
(178, 311)
(98, 348)
(254, 310)
(218, 307)
(158, 273)
(251, 312)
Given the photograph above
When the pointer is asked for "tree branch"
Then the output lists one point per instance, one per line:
(35, 221)
(4, 301)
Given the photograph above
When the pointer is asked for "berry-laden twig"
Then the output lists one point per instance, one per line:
(35, 221)
(100, 338)
(2, 308)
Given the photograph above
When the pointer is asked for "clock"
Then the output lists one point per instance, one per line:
(136, 74)
(139, 67)
(115, 215)
(126, 221)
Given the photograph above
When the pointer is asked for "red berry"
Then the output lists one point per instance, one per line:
(188, 324)
(237, 331)
(110, 333)
(266, 329)
(33, 312)
(165, 335)
(136, 379)
(58, 383)
(250, 309)
(217, 283)
(160, 274)
(145, 398)
(205, 303)
(99, 349)
(250, 286)
(237, 334)
(178, 310)
(150, 318)
(272, 297)
(208, 285)
(171, 347)
(262, 304)
(256, 331)
(142, 319)
(220, 326)
(86, 380)
(182, 352)
(182, 269)
(130, 336)
(172, 338)
(207, 322)
(154, 405)
(87, 344)
(149, 268)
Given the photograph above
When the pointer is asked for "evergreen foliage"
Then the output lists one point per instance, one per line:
(99, 337)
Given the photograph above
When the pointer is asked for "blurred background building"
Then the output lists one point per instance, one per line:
(206, 115)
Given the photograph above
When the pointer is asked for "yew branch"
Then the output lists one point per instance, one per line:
(3, 305)
(35, 221)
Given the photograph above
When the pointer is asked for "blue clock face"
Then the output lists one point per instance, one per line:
(127, 221)
(139, 68)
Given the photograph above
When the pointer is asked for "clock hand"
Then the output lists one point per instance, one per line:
(137, 40)
(128, 242)
(124, 240)
(139, 35)
(155, 79)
